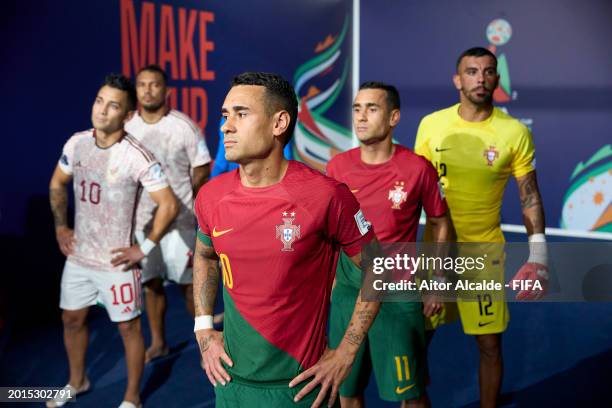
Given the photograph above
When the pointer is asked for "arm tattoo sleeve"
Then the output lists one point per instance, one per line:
(528, 191)
(531, 203)
(58, 198)
(205, 279)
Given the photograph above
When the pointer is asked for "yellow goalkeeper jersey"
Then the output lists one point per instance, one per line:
(474, 161)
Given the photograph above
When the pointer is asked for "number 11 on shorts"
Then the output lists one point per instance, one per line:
(405, 367)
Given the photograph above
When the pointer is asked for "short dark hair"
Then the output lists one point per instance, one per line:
(122, 83)
(154, 68)
(279, 93)
(393, 98)
(475, 52)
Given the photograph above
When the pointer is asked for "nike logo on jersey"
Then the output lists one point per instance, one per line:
(441, 150)
(354, 191)
(219, 233)
(480, 324)
(399, 390)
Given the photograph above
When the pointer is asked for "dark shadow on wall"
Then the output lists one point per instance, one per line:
(32, 268)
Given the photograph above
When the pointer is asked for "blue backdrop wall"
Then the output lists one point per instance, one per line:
(56, 55)
(555, 62)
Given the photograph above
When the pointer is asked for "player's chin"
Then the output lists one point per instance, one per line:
(105, 127)
(367, 139)
(231, 156)
(152, 106)
(481, 98)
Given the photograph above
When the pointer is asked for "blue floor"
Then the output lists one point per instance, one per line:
(555, 354)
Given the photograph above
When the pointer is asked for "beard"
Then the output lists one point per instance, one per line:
(479, 100)
(153, 106)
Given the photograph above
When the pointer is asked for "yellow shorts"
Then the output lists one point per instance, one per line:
(482, 310)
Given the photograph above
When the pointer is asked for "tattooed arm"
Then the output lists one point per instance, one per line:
(58, 198)
(335, 364)
(205, 284)
(531, 203)
(363, 315)
(536, 267)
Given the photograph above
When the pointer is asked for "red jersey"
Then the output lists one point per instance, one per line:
(393, 193)
(278, 247)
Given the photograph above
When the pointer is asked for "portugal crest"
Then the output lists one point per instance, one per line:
(397, 195)
(491, 154)
(287, 232)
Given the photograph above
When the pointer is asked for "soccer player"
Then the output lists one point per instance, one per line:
(222, 166)
(107, 167)
(392, 185)
(179, 146)
(476, 147)
(277, 227)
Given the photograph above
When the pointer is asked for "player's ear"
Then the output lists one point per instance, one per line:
(394, 118)
(129, 116)
(496, 81)
(457, 81)
(281, 122)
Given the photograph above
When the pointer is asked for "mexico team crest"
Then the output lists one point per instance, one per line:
(288, 232)
(491, 154)
(397, 195)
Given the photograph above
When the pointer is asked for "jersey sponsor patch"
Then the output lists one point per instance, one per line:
(441, 190)
(156, 172)
(362, 223)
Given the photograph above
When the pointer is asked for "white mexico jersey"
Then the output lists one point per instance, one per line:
(178, 144)
(106, 188)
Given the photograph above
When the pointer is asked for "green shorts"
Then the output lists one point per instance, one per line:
(237, 394)
(395, 348)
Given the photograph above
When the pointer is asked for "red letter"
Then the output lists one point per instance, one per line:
(205, 46)
(185, 100)
(167, 41)
(186, 50)
(172, 98)
(133, 48)
(199, 116)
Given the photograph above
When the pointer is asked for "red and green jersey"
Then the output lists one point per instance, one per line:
(278, 247)
(391, 194)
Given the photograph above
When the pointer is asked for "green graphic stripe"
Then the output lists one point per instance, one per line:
(605, 228)
(601, 154)
(205, 239)
(325, 55)
(296, 153)
(311, 136)
(593, 173)
(504, 74)
(255, 359)
(330, 101)
(340, 129)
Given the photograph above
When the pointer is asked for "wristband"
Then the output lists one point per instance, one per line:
(537, 249)
(147, 246)
(203, 322)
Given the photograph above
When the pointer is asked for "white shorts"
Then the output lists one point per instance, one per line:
(119, 292)
(172, 259)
